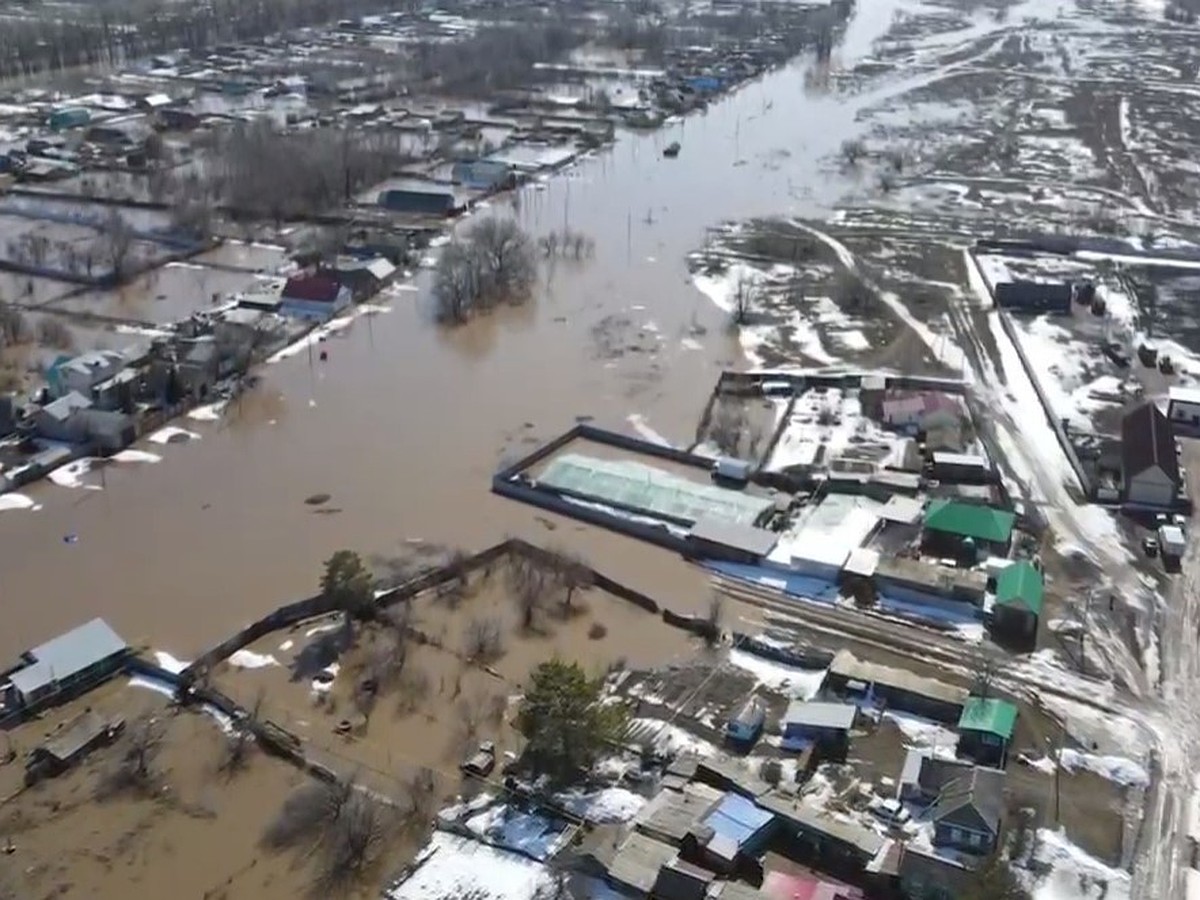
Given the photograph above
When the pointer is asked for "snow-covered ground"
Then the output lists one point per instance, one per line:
(1062, 871)
(925, 734)
(452, 868)
(605, 806)
(1117, 769)
(667, 738)
(829, 424)
(799, 684)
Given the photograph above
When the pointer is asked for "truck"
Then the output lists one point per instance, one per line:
(1172, 542)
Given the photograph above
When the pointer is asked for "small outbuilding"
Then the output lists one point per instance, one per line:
(746, 724)
(70, 662)
(985, 730)
(737, 829)
(315, 296)
(1034, 296)
(1020, 590)
(76, 739)
(825, 726)
(1183, 409)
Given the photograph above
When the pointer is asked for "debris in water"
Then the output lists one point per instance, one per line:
(317, 499)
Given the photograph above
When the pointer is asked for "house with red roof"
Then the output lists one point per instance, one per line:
(314, 295)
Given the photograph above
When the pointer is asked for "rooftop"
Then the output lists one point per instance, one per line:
(638, 861)
(671, 815)
(814, 714)
(68, 654)
(738, 819)
(64, 407)
(1148, 440)
(846, 665)
(995, 716)
(1021, 585)
(746, 538)
(970, 520)
(980, 789)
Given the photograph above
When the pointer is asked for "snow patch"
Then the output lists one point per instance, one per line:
(799, 684)
(136, 456)
(452, 867)
(210, 412)
(171, 663)
(17, 501)
(1117, 769)
(1074, 874)
(71, 475)
(604, 807)
(248, 659)
(172, 434)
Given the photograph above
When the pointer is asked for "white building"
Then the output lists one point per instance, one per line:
(1183, 409)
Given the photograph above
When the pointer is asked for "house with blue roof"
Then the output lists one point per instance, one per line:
(734, 832)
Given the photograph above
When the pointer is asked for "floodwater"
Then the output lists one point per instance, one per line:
(405, 423)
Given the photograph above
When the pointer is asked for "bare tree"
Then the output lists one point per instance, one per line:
(712, 620)
(988, 671)
(238, 743)
(115, 243)
(413, 690)
(745, 296)
(482, 640)
(527, 586)
(456, 282)
(134, 768)
(55, 334)
(728, 425)
(852, 150)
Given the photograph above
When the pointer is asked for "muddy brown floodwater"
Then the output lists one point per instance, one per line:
(405, 423)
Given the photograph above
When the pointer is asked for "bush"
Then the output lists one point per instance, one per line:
(598, 631)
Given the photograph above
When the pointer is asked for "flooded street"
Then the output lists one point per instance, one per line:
(405, 423)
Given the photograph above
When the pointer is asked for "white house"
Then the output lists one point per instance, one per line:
(1149, 459)
(1183, 409)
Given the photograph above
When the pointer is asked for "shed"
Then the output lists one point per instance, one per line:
(1034, 296)
(868, 683)
(917, 581)
(77, 737)
(746, 724)
(1149, 460)
(1019, 593)
(924, 777)
(671, 815)
(1183, 409)
(86, 654)
(714, 538)
(961, 467)
(834, 838)
(985, 730)
(823, 725)
(60, 419)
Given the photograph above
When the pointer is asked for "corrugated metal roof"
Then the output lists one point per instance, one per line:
(639, 860)
(820, 715)
(846, 665)
(813, 819)
(970, 520)
(738, 819)
(998, 717)
(67, 655)
(746, 538)
(1021, 585)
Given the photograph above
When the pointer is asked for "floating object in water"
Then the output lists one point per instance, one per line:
(70, 538)
(672, 150)
(324, 355)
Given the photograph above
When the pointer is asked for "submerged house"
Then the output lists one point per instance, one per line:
(74, 420)
(413, 201)
(71, 743)
(483, 174)
(315, 296)
(82, 373)
(62, 667)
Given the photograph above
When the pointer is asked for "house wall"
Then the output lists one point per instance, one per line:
(73, 429)
(314, 310)
(1152, 488)
(983, 747)
(947, 834)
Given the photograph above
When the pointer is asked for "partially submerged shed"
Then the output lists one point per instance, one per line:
(81, 658)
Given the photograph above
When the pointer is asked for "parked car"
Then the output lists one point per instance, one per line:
(890, 812)
(481, 762)
(1150, 545)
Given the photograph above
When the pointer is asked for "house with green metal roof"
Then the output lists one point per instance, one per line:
(985, 729)
(1020, 590)
(967, 530)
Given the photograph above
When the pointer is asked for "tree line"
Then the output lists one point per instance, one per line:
(111, 33)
